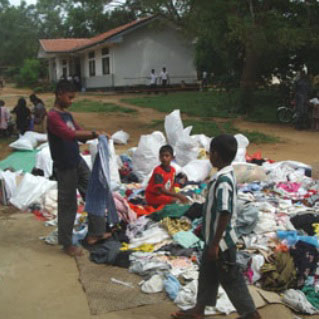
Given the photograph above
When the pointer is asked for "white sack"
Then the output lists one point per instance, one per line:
(203, 141)
(153, 285)
(30, 190)
(38, 137)
(173, 127)
(248, 173)
(10, 181)
(120, 137)
(186, 149)
(22, 144)
(197, 170)
(28, 141)
(242, 144)
(44, 161)
(146, 157)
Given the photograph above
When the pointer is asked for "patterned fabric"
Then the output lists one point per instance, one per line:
(99, 196)
(221, 197)
(174, 226)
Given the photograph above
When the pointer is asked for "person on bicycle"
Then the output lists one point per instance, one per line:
(302, 90)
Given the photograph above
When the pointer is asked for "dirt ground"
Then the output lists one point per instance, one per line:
(39, 281)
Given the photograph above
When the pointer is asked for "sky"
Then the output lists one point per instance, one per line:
(17, 2)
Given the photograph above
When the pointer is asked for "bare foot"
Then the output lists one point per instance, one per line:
(73, 251)
(92, 240)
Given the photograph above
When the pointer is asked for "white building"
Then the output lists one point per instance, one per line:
(123, 56)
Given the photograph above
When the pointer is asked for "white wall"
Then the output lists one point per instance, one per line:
(151, 47)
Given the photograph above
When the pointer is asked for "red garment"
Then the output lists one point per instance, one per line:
(160, 178)
(141, 210)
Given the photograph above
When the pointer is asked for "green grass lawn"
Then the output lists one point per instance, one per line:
(211, 128)
(98, 107)
(213, 104)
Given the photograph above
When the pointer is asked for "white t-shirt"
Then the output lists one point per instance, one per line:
(153, 77)
(164, 75)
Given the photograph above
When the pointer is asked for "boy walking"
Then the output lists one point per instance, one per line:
(218, 265)
(71, 170)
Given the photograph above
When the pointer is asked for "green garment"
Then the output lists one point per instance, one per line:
(312, 295)
(20, 160)
(279, 274)
(173, 210)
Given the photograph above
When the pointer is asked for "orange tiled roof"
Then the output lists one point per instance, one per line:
(68, 45)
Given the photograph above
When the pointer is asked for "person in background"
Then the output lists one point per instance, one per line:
(160, 189)
(164, 78)
(218, 263)
(302, 90)
(39, 114)
(70, 168)
(4, 119)
(23, 116)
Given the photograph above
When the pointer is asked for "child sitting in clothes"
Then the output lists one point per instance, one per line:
(159, 190)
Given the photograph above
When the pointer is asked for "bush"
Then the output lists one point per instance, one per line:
(29, 73)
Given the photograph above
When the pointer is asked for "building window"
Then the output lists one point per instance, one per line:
(105, 61)
(92, 63)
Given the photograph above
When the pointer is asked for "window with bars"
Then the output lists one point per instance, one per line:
(92, 63)
(105, 61)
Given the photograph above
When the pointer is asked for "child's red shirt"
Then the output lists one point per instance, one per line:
(160, 178)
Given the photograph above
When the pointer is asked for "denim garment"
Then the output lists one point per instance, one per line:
(99, 196)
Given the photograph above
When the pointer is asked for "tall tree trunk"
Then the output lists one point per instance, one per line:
(248, 78)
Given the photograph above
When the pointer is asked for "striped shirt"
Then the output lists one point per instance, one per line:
(221, 197)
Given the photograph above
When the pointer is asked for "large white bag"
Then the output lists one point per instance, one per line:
(120, 137)
(197, 170)
(186, 149)
(28, 141)
(146, 157)
(30, 190)
(22, 144)
(173, 127)
(10, 181)
(44, 161)
(203, 141)
(242, 144)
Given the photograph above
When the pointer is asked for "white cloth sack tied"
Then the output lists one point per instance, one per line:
(186, 148)
(242, 144)
(197, 170)
(28, 141)
(173, 127)
(146, 157)
(120, 137)
(44, 161)
(30, 190)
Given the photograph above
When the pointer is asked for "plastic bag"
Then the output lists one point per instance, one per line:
(38, 137)
(203, 141)
(242, 144)
(30, 190)
(120, 137)
(197, 170)
(186, 149)
(22, 144)
(44, 161)
(146, 157)
(248, 173)
(173, 127)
